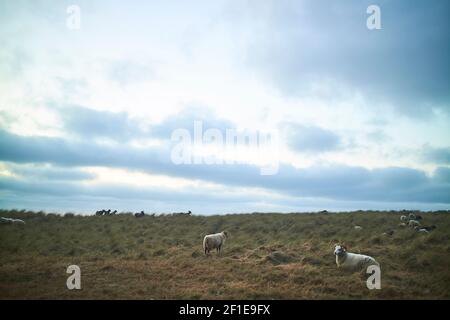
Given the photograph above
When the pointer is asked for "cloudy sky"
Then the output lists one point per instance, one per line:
(361, 116)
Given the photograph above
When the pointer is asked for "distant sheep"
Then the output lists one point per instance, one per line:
(402, 224)
(413, 223)
(422, 230)
(357, 227)
(412, 216)
(140, 214)
(426, 228)
(182, 213)
(214, 241)
(352, 261)
(403, 218)
(11, 221)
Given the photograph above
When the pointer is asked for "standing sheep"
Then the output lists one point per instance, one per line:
(214, 241)
(352, 261)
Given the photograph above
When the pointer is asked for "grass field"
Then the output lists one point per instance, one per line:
(268, 256)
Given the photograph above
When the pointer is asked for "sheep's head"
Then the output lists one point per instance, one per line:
(339, 250)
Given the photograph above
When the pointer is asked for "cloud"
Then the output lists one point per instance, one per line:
(324, 49)
(185, 120)
(442, 175)
(42, 173)
(436, 155)
(303, 138)
(126, 72)
(89, 123)
(333, 182)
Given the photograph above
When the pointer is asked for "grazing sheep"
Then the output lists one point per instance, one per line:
(11, 221)
(403, 218)
(402, 224)
(352, 261)
(358, 227)
(140, 214)
(413, 223)
(214, 241)
(99, 212)
(412, 216)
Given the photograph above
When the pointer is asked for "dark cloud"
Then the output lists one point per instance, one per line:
(333, 182)
(299, 43)
(436, 155)
(89, 123)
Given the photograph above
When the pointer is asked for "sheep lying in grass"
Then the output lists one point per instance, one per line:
(352, 261)
(413, 223)
(11, 221)
(422, 230)
(425, 229)
(214, 241)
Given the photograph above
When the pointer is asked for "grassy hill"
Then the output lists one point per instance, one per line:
(268, 256)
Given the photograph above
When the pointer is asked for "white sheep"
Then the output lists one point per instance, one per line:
(402, 225)
(403, 218)
(357, 227)
(11, 220)
(413, 223)
(352, 261)
(214, 241)
(412, 216)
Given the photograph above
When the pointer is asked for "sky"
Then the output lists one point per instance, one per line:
(128, 105)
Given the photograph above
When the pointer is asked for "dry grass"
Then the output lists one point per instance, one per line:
(268, 256)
